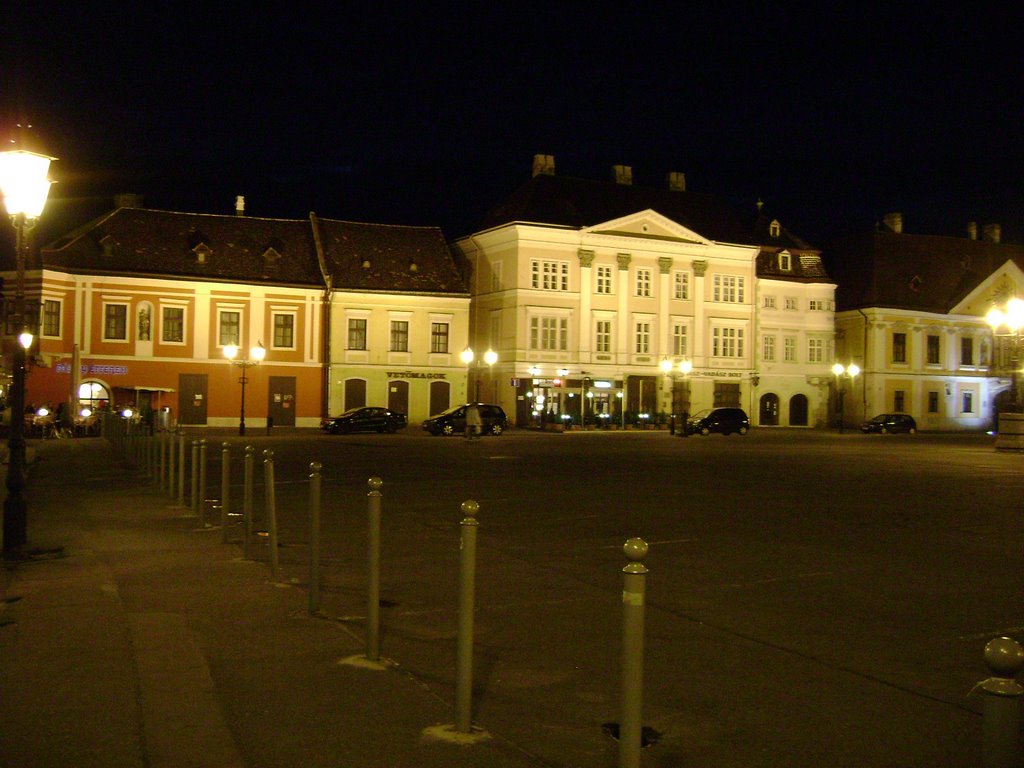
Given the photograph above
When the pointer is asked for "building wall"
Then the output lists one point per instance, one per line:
(145, 365)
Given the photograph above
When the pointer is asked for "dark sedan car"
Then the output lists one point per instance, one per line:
(364, 420)
(890, 422)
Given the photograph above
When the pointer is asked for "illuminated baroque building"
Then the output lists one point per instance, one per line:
(912, 314)
(586, 288)
(137, 307)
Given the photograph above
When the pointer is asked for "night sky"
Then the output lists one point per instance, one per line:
(430, 116)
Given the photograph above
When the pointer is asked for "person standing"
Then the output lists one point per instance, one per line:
(473, 422)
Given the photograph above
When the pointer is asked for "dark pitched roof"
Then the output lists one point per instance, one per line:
(578, 203)
(806, 265)
(384, 257)
(244, 249)
(928, 273)
(190, 245)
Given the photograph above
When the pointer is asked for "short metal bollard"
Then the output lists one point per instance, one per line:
(633, 598)
(268, 481)
(467, 590)
(374, 499)
(181, 468)
(202, 483)
(225, 490)
(194, 487)
(314, 536)
(1004, 658)
(247, 503)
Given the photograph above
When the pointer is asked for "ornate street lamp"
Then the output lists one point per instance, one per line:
(24, 185)
(467, 356)
(256, 355)
(843, 373)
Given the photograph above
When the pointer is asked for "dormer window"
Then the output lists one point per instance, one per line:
(270, 259)
(785, 259)
(202, 252)
(775, 229)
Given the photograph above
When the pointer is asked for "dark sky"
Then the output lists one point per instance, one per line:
(430, 116)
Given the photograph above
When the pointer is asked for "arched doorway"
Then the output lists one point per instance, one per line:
(769, 410)
(798, 411)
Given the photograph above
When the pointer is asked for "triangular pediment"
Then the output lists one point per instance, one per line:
(650, 225)
(995, 290)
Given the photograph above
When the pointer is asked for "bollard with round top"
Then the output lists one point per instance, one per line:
(314, 536)
(1004, 658)
(374, 499)
(464, 650)
(633, 599)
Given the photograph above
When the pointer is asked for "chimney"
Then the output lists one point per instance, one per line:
(543, 165)
(676, 181)
(623, 174)
(894, 222)
(240, 205)
(993, 233)
(972, 230)
(127, 200)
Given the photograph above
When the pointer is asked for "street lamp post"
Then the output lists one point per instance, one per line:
(256, 356)
(843, 373)
(467, 356)
(685, 367)
(24, 186)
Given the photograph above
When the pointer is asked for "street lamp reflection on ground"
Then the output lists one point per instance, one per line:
(1007, 323)
(25, 185)
(670, 369)
(467, 356)
(843, 373)
(256, 356)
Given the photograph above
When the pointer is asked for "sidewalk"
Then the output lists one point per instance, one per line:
(150, 643)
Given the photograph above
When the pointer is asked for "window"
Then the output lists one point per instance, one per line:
(439, 337)
(230, 331)
(768, 349)
(643, 337)
(643, 281)
(933, 402)
(785, 260)
(789, 349)
(399, 335)
(115, 322)
(768, 302)
(898, 401)
(933, 350)
(815, 350)
(357, 333)
(967, 402)
(726, 342)
(816, 305)
(550, 275)
(679, 336)
(604, 278)
(899, 347)
(603, 336)
(728, 288)
(967, 351)
(549, 333)
(790, 302)
(681, 285)
(284, 331)
(51, 318)
(727, 395)
(172, 326)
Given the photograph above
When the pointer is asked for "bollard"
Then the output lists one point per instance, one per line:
(181, 468)
(633, 587)
(202, 483)
(194, 487)
(268, 483)
(161, 464)
(314, 536)
(373, 503)
(1000, 746)
(247, 503)
(464, 650)
(225, 489)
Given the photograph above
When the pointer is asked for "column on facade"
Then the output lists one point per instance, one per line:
(623, 336)
(699, 341)
(664, 327)
(586, 258)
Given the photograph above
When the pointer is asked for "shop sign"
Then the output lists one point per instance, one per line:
(720, 374)
(94, 370)
(415, 375)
